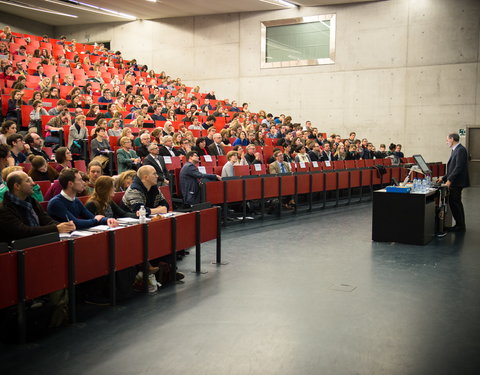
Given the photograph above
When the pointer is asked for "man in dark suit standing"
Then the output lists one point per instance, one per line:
(157, 162)
(189, 179)
(456, 179)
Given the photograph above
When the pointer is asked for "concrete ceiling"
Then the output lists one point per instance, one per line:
(142, 9)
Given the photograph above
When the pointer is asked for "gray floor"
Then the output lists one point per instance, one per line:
(285, 305)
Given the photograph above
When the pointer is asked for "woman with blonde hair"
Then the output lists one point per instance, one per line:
(127, 132)
(127, 158)
(177, 140)
(45, 84)
(124, 180)
(340, 154)
(137, 122)
(120, 103)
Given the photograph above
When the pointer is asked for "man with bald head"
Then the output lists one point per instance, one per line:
(144, 192)
(216, 148)
(21, 216)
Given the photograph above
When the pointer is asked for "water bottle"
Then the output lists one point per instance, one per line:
(424, 186)
(142, 215)
(415, 186)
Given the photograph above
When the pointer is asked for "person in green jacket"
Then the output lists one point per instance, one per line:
(127, 158)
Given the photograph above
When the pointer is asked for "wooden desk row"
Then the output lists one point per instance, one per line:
(336, 184)
(37, 271)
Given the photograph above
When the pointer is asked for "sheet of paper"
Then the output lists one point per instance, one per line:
(208, 158)
(327, 163)
(315, 164)
(128, 220)
(80, 233)
(258, 167)
(167, 159)
(302, 164)
(202, 169)
(98, 228)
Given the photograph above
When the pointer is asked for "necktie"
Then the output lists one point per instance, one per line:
(282, 168)
(219, 150)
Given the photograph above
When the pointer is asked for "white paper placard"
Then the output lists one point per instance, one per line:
(302, 164)
(167, 159)
(327, 163)
(315, 164)
(202, 169)
(207, 158)
(258, 167)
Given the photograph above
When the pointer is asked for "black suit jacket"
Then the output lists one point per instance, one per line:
(189, 184)
(325, 157)
(212, 149)
(164, 151)
(457, 168)
(314, 157)
(162, 172)
(142, 151)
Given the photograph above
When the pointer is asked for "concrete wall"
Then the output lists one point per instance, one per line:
(406, 71)
(24, 25)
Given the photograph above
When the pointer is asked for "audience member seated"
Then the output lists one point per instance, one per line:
(252, 157)
(302, 156)
(100, 147)
(8, 128)
(18, 149)
(38, 111)
(94, 171)
(22, 216)
(189, 179)
(200, 147)
(41, 170)
(37, 191)
(216, 148)
(59, 108)
(166, 149)
(35, 142)
(142, 150)
(327, 154)
(127, 158)
(241, 140)
(54, 127)
(340, 154)
(124, 180)
(315, 152)
(228, 170)
(63, 157)
(101, 201)
(67, 207)
(144, 192)
(156, 161)
(14, 107)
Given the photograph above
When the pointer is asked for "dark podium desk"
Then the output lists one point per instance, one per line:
(404, 218)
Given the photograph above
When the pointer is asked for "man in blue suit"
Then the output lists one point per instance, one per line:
(456, 179)
(189, 179)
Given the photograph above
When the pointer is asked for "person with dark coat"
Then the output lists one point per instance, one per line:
(166, 149)
(456, 179)
(189, 179)
(21, 216)
(144, 192)
(157, 162)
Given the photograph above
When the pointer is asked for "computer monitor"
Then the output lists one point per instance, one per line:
(422, 164)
